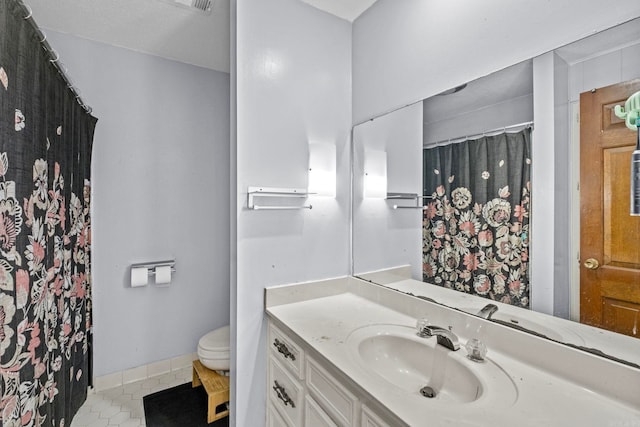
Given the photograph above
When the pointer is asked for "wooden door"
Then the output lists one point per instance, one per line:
(609, 236)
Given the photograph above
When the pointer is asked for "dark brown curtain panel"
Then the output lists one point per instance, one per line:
(476, 224)
(45, 233)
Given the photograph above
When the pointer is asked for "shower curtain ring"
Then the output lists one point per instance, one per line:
(64, 69)
(44, 35)
(30, 14)
(57, 56)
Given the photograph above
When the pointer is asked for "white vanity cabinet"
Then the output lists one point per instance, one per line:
(335, 347)
(303, 391)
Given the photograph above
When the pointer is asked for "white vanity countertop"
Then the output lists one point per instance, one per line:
(325, 322)
(618, 345)
(563, 330)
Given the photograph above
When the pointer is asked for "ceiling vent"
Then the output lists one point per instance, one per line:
(202, 6)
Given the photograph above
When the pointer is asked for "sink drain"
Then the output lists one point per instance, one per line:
(427, 391)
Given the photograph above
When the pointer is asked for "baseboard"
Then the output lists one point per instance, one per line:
(118, 379)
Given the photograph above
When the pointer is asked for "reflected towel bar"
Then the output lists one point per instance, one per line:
(408, 207)
(280, 208)
(407, 196)
(253, 192)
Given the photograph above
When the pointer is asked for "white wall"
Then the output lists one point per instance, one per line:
(407, 51)
(160, 190)
(562, 191)
(375, 224)
(293, 66)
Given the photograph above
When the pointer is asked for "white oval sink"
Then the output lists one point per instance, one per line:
(396, 357)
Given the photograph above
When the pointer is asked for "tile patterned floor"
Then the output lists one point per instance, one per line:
(122, 406)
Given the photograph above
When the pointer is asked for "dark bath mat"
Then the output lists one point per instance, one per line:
(180, 406)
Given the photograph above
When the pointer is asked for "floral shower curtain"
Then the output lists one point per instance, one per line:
(45, 233)
(476, 224)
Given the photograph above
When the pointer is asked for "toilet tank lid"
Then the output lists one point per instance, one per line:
(217, 339)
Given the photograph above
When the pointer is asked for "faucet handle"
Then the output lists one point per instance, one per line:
(421, 324)
(476, 350)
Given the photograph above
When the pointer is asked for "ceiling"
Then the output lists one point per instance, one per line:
(509, 83)
(345, 9)
(614, 38)
(158, 27)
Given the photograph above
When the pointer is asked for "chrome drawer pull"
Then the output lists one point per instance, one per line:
(282, 348)
(282, 395)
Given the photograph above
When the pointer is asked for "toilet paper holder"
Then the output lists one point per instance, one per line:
(151, 266)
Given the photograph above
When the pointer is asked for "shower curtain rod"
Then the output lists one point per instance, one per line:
(55, 61)
(519, 126)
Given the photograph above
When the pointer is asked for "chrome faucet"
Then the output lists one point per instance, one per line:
(487, 311)
(444, 336)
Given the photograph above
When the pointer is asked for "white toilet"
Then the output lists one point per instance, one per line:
(213, 349)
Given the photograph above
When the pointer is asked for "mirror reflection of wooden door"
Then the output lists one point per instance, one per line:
(609, 236)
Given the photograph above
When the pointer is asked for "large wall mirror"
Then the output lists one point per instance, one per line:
(464, 221)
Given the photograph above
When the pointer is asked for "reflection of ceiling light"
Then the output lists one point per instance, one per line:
(453, 90)
(203, 6)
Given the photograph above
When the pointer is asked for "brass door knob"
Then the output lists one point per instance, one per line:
(592, 264)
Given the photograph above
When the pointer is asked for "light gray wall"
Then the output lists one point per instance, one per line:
(293, 68)
(437, 45)
(160, 190)
(375, 224)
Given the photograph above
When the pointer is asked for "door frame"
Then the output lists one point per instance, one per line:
(574, 188)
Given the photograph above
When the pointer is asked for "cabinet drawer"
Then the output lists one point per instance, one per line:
(286, 351)
(370, 419)
(335, 399)
(285, 392)
(314, 416)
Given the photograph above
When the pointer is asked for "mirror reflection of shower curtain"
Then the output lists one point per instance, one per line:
(46, 139)
(476, 224)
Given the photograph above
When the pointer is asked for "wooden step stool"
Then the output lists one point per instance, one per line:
(217, 387)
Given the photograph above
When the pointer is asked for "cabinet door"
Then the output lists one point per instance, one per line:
(274, 419)
(331, 395)
(370, 419)
(314, 416)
